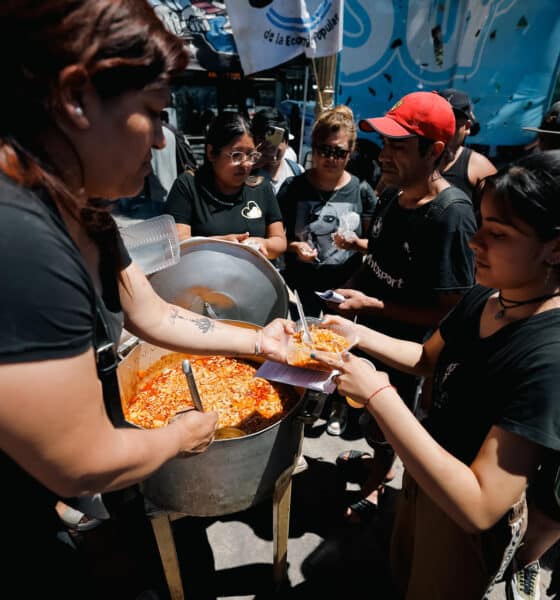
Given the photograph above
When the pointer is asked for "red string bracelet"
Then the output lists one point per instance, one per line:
(384, 387)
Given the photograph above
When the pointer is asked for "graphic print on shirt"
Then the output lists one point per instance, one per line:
(407, 250)
(315, 224)
(251, 210)
(391, 257)
(377, 227)
(441, 398)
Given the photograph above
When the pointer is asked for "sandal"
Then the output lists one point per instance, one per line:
(354, 465)
(362, 512)
(77, 520)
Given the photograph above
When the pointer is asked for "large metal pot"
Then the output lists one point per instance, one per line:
(233, 474)
(224, 280)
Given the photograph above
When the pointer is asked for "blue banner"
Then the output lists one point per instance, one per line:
(503, 53)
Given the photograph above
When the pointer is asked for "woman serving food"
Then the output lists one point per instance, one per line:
(85, 84)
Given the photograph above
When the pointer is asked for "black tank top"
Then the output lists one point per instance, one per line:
(458, 173)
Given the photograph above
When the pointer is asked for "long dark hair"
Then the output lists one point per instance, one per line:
(529, 189)
(120, 44)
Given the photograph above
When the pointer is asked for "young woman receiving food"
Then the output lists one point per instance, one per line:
(495, 360)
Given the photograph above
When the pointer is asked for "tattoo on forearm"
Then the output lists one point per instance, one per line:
(203, 323)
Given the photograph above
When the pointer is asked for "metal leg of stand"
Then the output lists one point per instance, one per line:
(281, 524)
(161, 524)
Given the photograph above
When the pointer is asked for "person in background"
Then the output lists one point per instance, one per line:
(548, 137)
(364, 162)
(314, 206)
(85, 83)
(185, 157)
(463, 167)
(417, 262)
(274, 165)
(166, 164)
(295, 125)
(164, 172)
(222, 199)
(492, 423)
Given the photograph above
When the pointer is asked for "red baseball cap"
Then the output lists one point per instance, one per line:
(420, 113)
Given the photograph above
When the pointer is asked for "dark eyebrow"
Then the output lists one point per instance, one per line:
(498, 221)
(504, 223)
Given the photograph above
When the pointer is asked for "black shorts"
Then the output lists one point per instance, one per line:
(544, 490)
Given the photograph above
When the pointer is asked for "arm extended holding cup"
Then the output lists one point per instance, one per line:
(404, 355)
(475, 496)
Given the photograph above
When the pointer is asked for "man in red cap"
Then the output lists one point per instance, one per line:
(463, 167)
(418, 262)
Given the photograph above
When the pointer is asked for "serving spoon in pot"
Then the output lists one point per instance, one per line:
(222, 432)
(187, 370)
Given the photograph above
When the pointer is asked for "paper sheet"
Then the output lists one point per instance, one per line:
(331, 296)
(319, 381)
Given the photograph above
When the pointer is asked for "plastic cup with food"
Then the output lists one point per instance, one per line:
(349, 400)
(332, 340)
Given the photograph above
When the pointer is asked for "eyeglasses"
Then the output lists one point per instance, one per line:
(238, 158)
(326, 151)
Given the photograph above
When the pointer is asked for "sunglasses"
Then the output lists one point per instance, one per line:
(326, 151)
(238, 158)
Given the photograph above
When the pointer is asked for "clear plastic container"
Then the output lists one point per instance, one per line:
(299, 353)
(153, 244)
(349, 400)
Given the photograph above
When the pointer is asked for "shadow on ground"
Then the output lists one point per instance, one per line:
(340, 567)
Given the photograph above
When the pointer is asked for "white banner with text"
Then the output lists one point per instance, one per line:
(271, 32)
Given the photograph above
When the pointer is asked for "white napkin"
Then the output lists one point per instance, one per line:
(320, 381)
(331, 296)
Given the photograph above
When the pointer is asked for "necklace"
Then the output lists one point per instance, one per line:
(217, 200)
(507, 304)
(327, 195)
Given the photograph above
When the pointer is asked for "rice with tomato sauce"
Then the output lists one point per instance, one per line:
(226, 385)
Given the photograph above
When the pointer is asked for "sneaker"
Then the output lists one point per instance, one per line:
(525, 584)
(338, 419)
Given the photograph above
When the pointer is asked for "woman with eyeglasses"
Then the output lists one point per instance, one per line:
(222, 200)
(314, 205)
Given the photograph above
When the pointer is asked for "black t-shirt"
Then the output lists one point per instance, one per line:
(509, 379)
(47, 312)
(416, 254)
(312, 216)
(194, 201)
